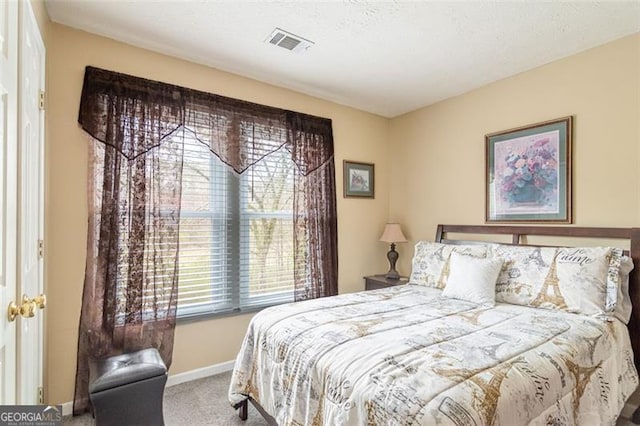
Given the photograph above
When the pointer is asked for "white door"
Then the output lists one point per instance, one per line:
(30, 209)
(8, 194)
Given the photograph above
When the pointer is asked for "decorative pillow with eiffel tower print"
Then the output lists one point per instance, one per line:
(582, 280)
(523, 271)
(430, 264)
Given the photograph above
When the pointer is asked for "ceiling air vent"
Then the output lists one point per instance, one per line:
(288, 41)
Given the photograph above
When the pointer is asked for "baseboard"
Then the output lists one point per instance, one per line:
(200, 373)
(67, 408)
(176, 379)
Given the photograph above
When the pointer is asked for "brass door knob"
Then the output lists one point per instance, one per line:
(28, 308)
(41, 301)
(12, 311)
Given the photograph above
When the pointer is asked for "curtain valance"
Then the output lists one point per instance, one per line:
(134, 115)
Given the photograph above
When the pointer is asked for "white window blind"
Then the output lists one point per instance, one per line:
(236, 233)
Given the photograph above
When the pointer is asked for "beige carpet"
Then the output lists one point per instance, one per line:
(195, 403)
(204, 402)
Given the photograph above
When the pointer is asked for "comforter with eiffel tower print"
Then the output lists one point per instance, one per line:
(406, 355)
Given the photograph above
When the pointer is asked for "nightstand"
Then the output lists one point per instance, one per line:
(374, 282)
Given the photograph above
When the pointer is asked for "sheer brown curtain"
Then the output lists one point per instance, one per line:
(135, 170)
(137, 129)
(310, 141)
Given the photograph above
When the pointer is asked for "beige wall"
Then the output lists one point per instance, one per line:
(357, 135)
(40, 12)
(438, 169)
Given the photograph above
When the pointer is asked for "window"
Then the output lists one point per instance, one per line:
(236, 233)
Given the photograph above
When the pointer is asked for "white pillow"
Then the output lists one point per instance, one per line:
(430, 263)
(473, 279)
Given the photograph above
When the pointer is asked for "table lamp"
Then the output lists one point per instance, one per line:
(393, 234)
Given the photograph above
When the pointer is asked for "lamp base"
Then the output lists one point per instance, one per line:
(392, 275)
(392, 255)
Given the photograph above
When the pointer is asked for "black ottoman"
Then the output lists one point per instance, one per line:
(127, 389)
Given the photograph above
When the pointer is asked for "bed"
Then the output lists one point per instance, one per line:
(412, 354)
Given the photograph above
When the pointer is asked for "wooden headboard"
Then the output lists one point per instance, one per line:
(517, 232)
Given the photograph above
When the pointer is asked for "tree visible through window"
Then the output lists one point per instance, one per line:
(236, 233)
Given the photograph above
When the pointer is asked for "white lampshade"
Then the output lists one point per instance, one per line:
(393, 234)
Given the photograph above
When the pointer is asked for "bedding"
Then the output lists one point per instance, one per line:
(407, 355)
(582, 280)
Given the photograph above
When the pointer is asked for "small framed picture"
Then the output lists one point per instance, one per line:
(359, 179)
(528, 173)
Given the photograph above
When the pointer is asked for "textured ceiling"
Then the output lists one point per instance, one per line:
(387, 58)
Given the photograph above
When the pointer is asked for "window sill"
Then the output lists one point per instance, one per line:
(204, 316)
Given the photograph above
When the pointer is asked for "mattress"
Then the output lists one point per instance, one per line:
(406, 355)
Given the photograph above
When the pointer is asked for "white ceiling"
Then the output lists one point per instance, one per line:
(387, 57)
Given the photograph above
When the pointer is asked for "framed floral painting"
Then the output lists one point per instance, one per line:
(359, 179)
(528, 173)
